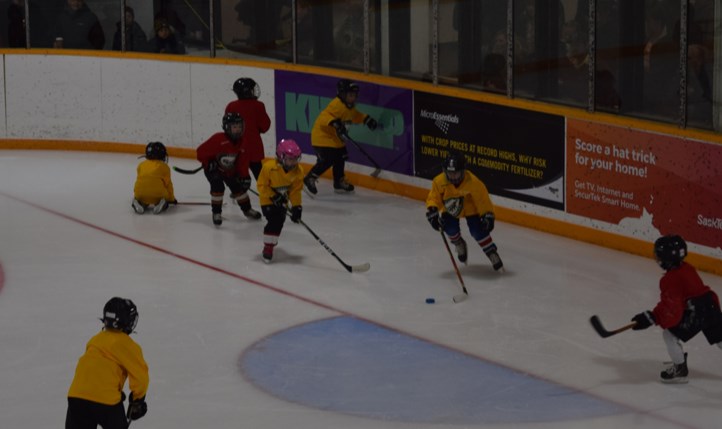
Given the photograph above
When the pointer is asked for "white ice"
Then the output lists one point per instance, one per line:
(69, 241)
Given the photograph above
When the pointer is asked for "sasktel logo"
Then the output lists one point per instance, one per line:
(709, 222)
(442, 121)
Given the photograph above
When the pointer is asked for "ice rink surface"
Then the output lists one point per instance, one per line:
(234, 343)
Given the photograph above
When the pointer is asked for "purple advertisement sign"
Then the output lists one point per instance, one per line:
(300, 97)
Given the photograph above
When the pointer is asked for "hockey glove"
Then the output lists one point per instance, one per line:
(340, 128)
(487, 221)
(137, 408)
(370, 123)
(296, 214)
(245, 183)
(643, 320)
(212, 171)
(432, 215)
(279, 200)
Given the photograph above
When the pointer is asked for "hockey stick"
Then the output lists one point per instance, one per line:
(597, 325)
(350, 268)
(377, 171)
(184, 171)
(127, 416)
(195, 203)
(462, 296)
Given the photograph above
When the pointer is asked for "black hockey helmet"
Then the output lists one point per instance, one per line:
(120, 314)
(454, 167)
(156, 150)
(233, 118)
(246, 88)
(670, 250)
(345, 86)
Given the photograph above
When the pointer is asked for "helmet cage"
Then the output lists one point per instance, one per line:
(228, 120)
(454, 167)
(288, 154)
(345, 87)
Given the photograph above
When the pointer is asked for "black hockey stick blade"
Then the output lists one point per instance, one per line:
(196, 203)
(603, 332)
(184, 171)
(377, 167)
(350, 268)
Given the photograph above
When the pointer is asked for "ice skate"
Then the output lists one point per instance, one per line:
(267, 253)
(461, 252)
(160, 207)
(675, 374)
(342, 186)
(309, 183)
(138, 207)
(217, 219)
(495, 261)
(252, 214)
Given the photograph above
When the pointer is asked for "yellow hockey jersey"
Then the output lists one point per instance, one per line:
(323, 134)
(274, 179)
(110, 357)
(469, 198)
(153, 182)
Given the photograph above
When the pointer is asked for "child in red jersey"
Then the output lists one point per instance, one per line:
(686, 307)
(255, 118)
(226, 164)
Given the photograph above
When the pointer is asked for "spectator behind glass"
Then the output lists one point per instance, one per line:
(135, 39)
(77, 27)
(493, 68)
(169, 14)
(660, 58)
(16, 25)
(165, 41)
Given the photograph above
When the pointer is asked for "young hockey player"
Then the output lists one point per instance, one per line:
(96, 393)
(455, 194)
(279, 184)
(255, 118)
(225, 164)
(686, 307)
(153, 186)
(328, 133)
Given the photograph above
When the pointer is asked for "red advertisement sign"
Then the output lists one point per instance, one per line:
(673, 184)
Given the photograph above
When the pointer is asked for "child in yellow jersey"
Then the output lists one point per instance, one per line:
(153, 186)
(328, 133)
(280, 183)
(96, 393)
(455, 194)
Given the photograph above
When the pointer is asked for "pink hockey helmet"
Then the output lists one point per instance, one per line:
(287, 150)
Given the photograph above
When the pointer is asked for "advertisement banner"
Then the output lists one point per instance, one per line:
(518, 154)
(645, 180)
(300, 97)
